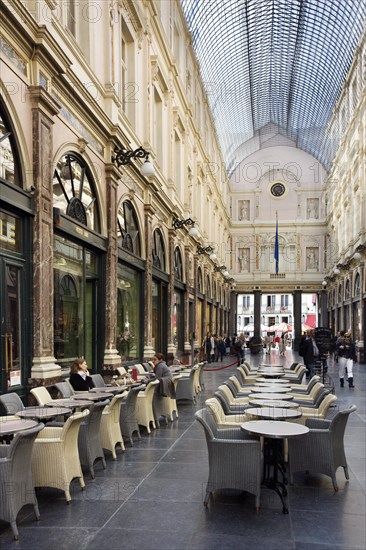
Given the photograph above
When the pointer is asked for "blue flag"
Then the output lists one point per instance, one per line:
(276, 247)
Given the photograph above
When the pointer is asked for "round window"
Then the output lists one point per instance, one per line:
(278, 189)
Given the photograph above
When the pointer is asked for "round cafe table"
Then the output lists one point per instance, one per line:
(43, 413)
(258, 402)
(9, 426)
(269, 381)
(92, 396)
(271, 389)
(108, 389)
(273, 413)
(272, 374)
(269, 395)
(274, 432)
(272, 384)
(70, 403)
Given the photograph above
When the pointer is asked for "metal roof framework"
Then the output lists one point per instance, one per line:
(274, 64)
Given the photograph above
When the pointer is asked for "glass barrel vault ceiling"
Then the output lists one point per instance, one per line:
(273, 69)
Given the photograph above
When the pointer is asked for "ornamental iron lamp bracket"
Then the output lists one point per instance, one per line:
(179, 224)
(205, 250)
(220, 268)
(123, 157)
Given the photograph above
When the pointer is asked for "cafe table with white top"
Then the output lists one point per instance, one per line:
(270, 395)
(277, 374)
(270, 389)
(258, 402)
(43, 413)
(10, 425)
(273, 432)
(273, 413)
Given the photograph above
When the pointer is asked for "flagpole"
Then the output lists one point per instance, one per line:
(276, 248)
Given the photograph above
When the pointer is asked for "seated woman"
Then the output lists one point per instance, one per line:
(79, 375)
(161, 369)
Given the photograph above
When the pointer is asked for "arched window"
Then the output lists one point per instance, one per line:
(128, 229)
(347, 290)
(199, 281)
(74, 191)
(9, 161)
(357, 289)
(208, 287)
(340, 294)
(158, 251)
(178, 265)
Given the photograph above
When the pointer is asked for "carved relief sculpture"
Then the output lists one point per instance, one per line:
(312, 259)
(312, 209)
(244, 210)
(244, 260)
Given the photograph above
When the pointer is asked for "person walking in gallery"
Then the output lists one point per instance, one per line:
(346, 352)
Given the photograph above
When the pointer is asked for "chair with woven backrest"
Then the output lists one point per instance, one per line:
(98, 381)
(214, 406)
(89, 440)
(322, 449)
(234, 463)
(308, 397)
(144, 406)
(236, 388)
(305, 388)
(227, 408)
(235, 403)
(16, 485)
(55, 457)
(65, 389)
(128, 418)
(42, 395)
(185, 387)
(166, 405)
(320, 412)
(110, 428)
(11, 403)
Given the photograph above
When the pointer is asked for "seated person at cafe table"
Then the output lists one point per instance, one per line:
(161, 369)
(79, 375)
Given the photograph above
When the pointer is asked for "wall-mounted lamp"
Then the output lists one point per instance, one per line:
(205, 250)
(324, 283)
(336, 271)
(179, 224)
(357, 256)
(344, 266)
(123, 157)
(226, 274)
(220, 268)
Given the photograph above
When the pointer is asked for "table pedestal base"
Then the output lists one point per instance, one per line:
(274, 463)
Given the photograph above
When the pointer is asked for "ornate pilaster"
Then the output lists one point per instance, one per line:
(187, 336)
(257, 312)
(297, 318)
(111, 357)
(171, 346)
(148, 349)
(44, 109)
(195, 304)
(232, 313)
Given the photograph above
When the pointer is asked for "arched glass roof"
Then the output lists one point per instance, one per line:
(274, 68)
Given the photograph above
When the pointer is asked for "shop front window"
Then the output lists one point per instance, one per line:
(9, 165)
(128, 313)
(159, 316)
(128, 229)
(178, 320)
(74, 193)
(75, 302)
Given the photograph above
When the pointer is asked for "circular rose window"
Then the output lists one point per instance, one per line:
(278, 189)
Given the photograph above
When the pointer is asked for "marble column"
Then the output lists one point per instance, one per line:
(187, 343)
(323, 322)
(232, 314)
(112, 359)
(170, 307)
(297, 319)
(148, 349)
(44, 109)
(257, 312)
(197, 329)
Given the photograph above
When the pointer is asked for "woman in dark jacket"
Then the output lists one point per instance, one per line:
(161, 369)
(79, 375)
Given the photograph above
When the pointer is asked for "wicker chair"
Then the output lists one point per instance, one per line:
(321, 412)
(231, 404)
(185, 387)
(16, 486)
(128, 419)
(42, 395)
(110, 429)
(311, 396)
(144, 408)
(65, 389)
(222, 420)
(11, 403)
(244, 378)
(236, 389)
(322, 449)
(234, 463)
(89, 441)
(164, 405)
(98, 381)
(55, 458)
(305, 388)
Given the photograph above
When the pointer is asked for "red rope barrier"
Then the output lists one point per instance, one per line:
(220, 368)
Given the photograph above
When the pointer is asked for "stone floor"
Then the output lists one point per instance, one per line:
(151, 497)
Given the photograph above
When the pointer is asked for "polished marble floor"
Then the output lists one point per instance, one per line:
(151, 497)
